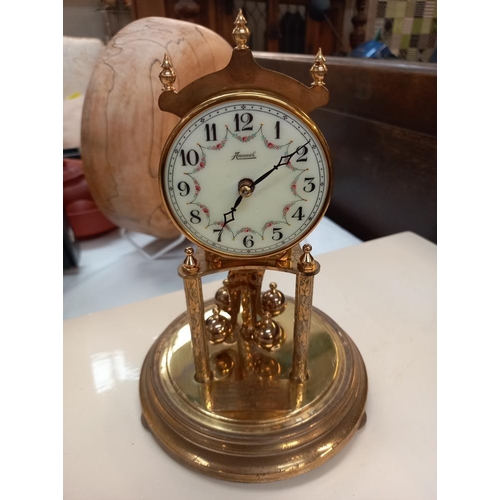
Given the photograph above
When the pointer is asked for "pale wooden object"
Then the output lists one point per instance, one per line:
(79, 58)
(123, 129)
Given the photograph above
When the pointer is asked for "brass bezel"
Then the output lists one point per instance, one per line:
(273, 99)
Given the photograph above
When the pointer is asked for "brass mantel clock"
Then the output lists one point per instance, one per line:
(252, 385)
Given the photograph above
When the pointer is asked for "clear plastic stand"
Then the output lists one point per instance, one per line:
(155, 248)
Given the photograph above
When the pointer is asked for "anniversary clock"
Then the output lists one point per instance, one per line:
(251, 385)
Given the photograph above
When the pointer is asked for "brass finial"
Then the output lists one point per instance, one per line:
(241, 33)
(318, 69)
(190, 263)
(306, 261)
(167, 74)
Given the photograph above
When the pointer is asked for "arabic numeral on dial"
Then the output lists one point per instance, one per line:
(210, 132)
(220, 234)
(248, 241)
(277, 234)
(245, 120)
(310, 186)
(299, 214)
(183, 188)
(195, 216)
(192, 157)
(277, 128)
(302, 152)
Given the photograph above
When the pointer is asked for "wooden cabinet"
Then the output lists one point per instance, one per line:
(286, 27)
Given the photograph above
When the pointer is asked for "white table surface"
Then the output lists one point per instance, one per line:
(112, 272)
(383, 293)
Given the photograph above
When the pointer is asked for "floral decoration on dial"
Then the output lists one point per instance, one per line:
(246, 178)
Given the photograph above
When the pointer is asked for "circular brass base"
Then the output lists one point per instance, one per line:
(251, 423)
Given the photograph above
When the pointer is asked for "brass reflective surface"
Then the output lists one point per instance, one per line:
(252, 386)
(251, 422)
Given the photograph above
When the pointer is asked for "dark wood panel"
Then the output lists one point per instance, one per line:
(396, 92)
(219, 16)
(385, 176)
(380, 124)
(381, 128)
(149, 8)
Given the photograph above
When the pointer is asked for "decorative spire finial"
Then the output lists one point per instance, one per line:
(190, 263)
(306, 261)
(318, 69)
(241, 33)
(167, 74)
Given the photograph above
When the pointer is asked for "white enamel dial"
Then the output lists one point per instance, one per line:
(262, 145)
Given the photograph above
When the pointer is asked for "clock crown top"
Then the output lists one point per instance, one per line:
(242, 74)
(241, 33)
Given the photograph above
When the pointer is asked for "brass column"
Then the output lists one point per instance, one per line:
(304, 286)
(189, 272)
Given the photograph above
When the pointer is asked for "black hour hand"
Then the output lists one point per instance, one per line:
(229, 216)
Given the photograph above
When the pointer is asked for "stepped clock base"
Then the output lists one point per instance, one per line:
(251, 423)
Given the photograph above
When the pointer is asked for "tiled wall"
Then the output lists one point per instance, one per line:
(409, 28)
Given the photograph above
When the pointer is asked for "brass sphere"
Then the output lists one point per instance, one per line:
(273, 301)
(216, 327)
(223, 297)
(224, 364)
(265, 367)
(268, 334)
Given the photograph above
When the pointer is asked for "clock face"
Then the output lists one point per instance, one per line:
(246, 177)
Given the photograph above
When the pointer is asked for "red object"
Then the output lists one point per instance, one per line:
(84, 216)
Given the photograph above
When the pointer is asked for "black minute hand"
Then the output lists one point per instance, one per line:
(283, 161)
(229, 216)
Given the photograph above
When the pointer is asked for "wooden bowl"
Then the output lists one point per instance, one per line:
(123, 129)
